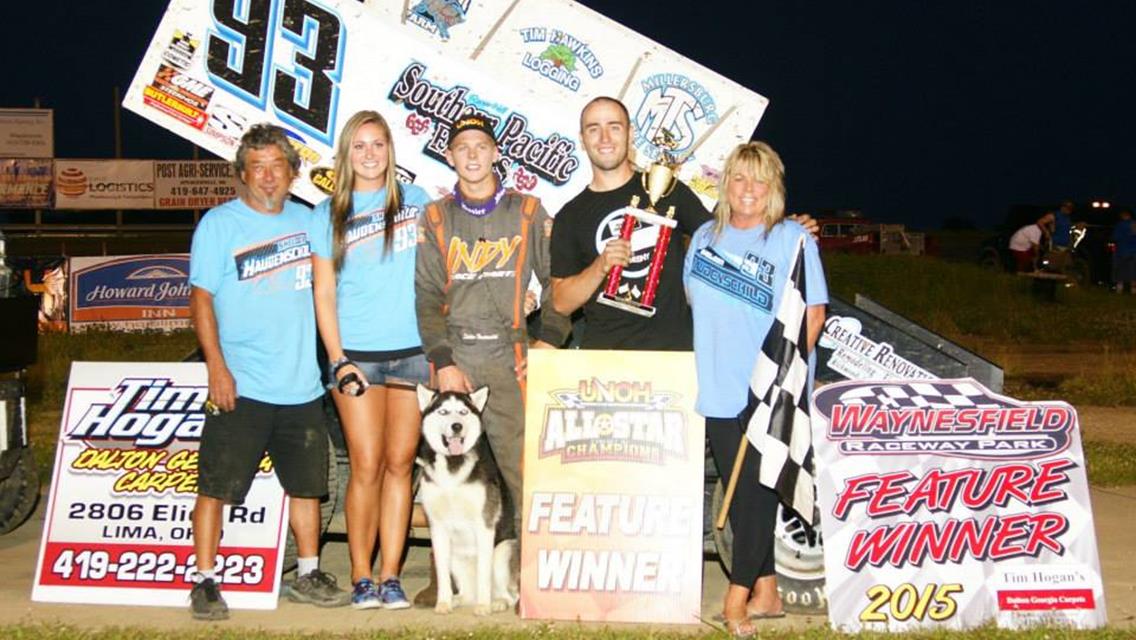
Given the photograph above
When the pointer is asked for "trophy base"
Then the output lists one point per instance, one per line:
(623, 304)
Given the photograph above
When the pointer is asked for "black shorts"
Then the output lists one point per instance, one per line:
(233, 443)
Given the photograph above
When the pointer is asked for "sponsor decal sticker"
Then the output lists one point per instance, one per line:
(438, 16)
(559, 56)
(551, 158)
(180, 96)
(676, 103)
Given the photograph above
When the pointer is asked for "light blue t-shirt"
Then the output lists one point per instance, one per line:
(258, 268)
(375, 292)
(734, 303)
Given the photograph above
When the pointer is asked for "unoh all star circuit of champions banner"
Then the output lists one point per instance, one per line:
(945, 504)
(613, 472)
(215, 67)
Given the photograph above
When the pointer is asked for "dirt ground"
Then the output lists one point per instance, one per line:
(1108, 424)
(1112, 508)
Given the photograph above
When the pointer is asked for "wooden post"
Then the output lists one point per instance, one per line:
(729, 497)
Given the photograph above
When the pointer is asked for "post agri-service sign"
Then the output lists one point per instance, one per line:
(943, 503)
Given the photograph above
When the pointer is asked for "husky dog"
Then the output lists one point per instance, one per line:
(470, 513)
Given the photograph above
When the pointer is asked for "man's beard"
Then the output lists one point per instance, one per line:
(271, 202)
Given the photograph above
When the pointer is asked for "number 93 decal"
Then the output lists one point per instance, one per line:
(240, 48)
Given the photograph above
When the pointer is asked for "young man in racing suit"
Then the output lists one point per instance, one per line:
(478, 249)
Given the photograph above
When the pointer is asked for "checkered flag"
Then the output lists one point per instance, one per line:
(777, 414)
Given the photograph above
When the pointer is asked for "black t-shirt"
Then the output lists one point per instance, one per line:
(579, 233)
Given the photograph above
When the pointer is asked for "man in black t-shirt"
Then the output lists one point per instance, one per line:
(586, 243)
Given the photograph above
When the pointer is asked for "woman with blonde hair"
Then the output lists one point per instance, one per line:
(363, 246)
(751, 245)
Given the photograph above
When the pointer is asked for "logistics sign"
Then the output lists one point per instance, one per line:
(118, 521)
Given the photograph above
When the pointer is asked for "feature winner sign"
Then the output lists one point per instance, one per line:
(118, 523)
(943, 503)
(612, 511)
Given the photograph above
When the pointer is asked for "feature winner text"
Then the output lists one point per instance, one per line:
(587, 516)
(916, 539)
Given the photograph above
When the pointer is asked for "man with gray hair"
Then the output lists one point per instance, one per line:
(251, 302)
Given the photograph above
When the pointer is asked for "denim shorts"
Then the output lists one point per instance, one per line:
(403, 370)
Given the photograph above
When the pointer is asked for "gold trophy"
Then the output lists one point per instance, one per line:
(658, 181)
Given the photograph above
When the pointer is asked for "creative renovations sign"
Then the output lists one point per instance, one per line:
(130, 292)
(118, 526)
(945, 504)
(612, 511)
(27, 133)
(215, 67)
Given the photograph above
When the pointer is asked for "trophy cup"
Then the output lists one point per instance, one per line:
(658, 181)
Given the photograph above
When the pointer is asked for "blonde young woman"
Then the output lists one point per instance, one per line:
(749, 240)
(363, 246)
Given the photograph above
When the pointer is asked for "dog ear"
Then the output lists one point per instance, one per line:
(425, 396)
(479, 397)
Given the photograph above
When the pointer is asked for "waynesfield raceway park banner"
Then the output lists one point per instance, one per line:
(118, 524)
(613, 467)
(215, 67)
(130, 293)
(945, 504)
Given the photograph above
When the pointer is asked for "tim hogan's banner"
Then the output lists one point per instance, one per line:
(215, 67)
(612, 512)
(25, 184)
(118, 527)
(562, 52)
(130, 292)
(27, 133)
(193, 184)
(104, 184)
(945, 504)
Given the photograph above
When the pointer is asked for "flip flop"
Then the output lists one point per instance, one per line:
(754, 614)
(741, 628)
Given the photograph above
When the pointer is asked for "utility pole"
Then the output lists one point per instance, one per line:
(117, 149)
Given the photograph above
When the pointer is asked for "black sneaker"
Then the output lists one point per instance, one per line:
(317, 588)
(206, 603)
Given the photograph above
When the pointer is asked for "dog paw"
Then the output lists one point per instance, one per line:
(444, 608)
(500, 604)
(482, 610)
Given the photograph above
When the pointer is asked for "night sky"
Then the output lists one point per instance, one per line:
(911, 111)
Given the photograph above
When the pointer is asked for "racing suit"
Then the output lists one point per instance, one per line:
(471, 276)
